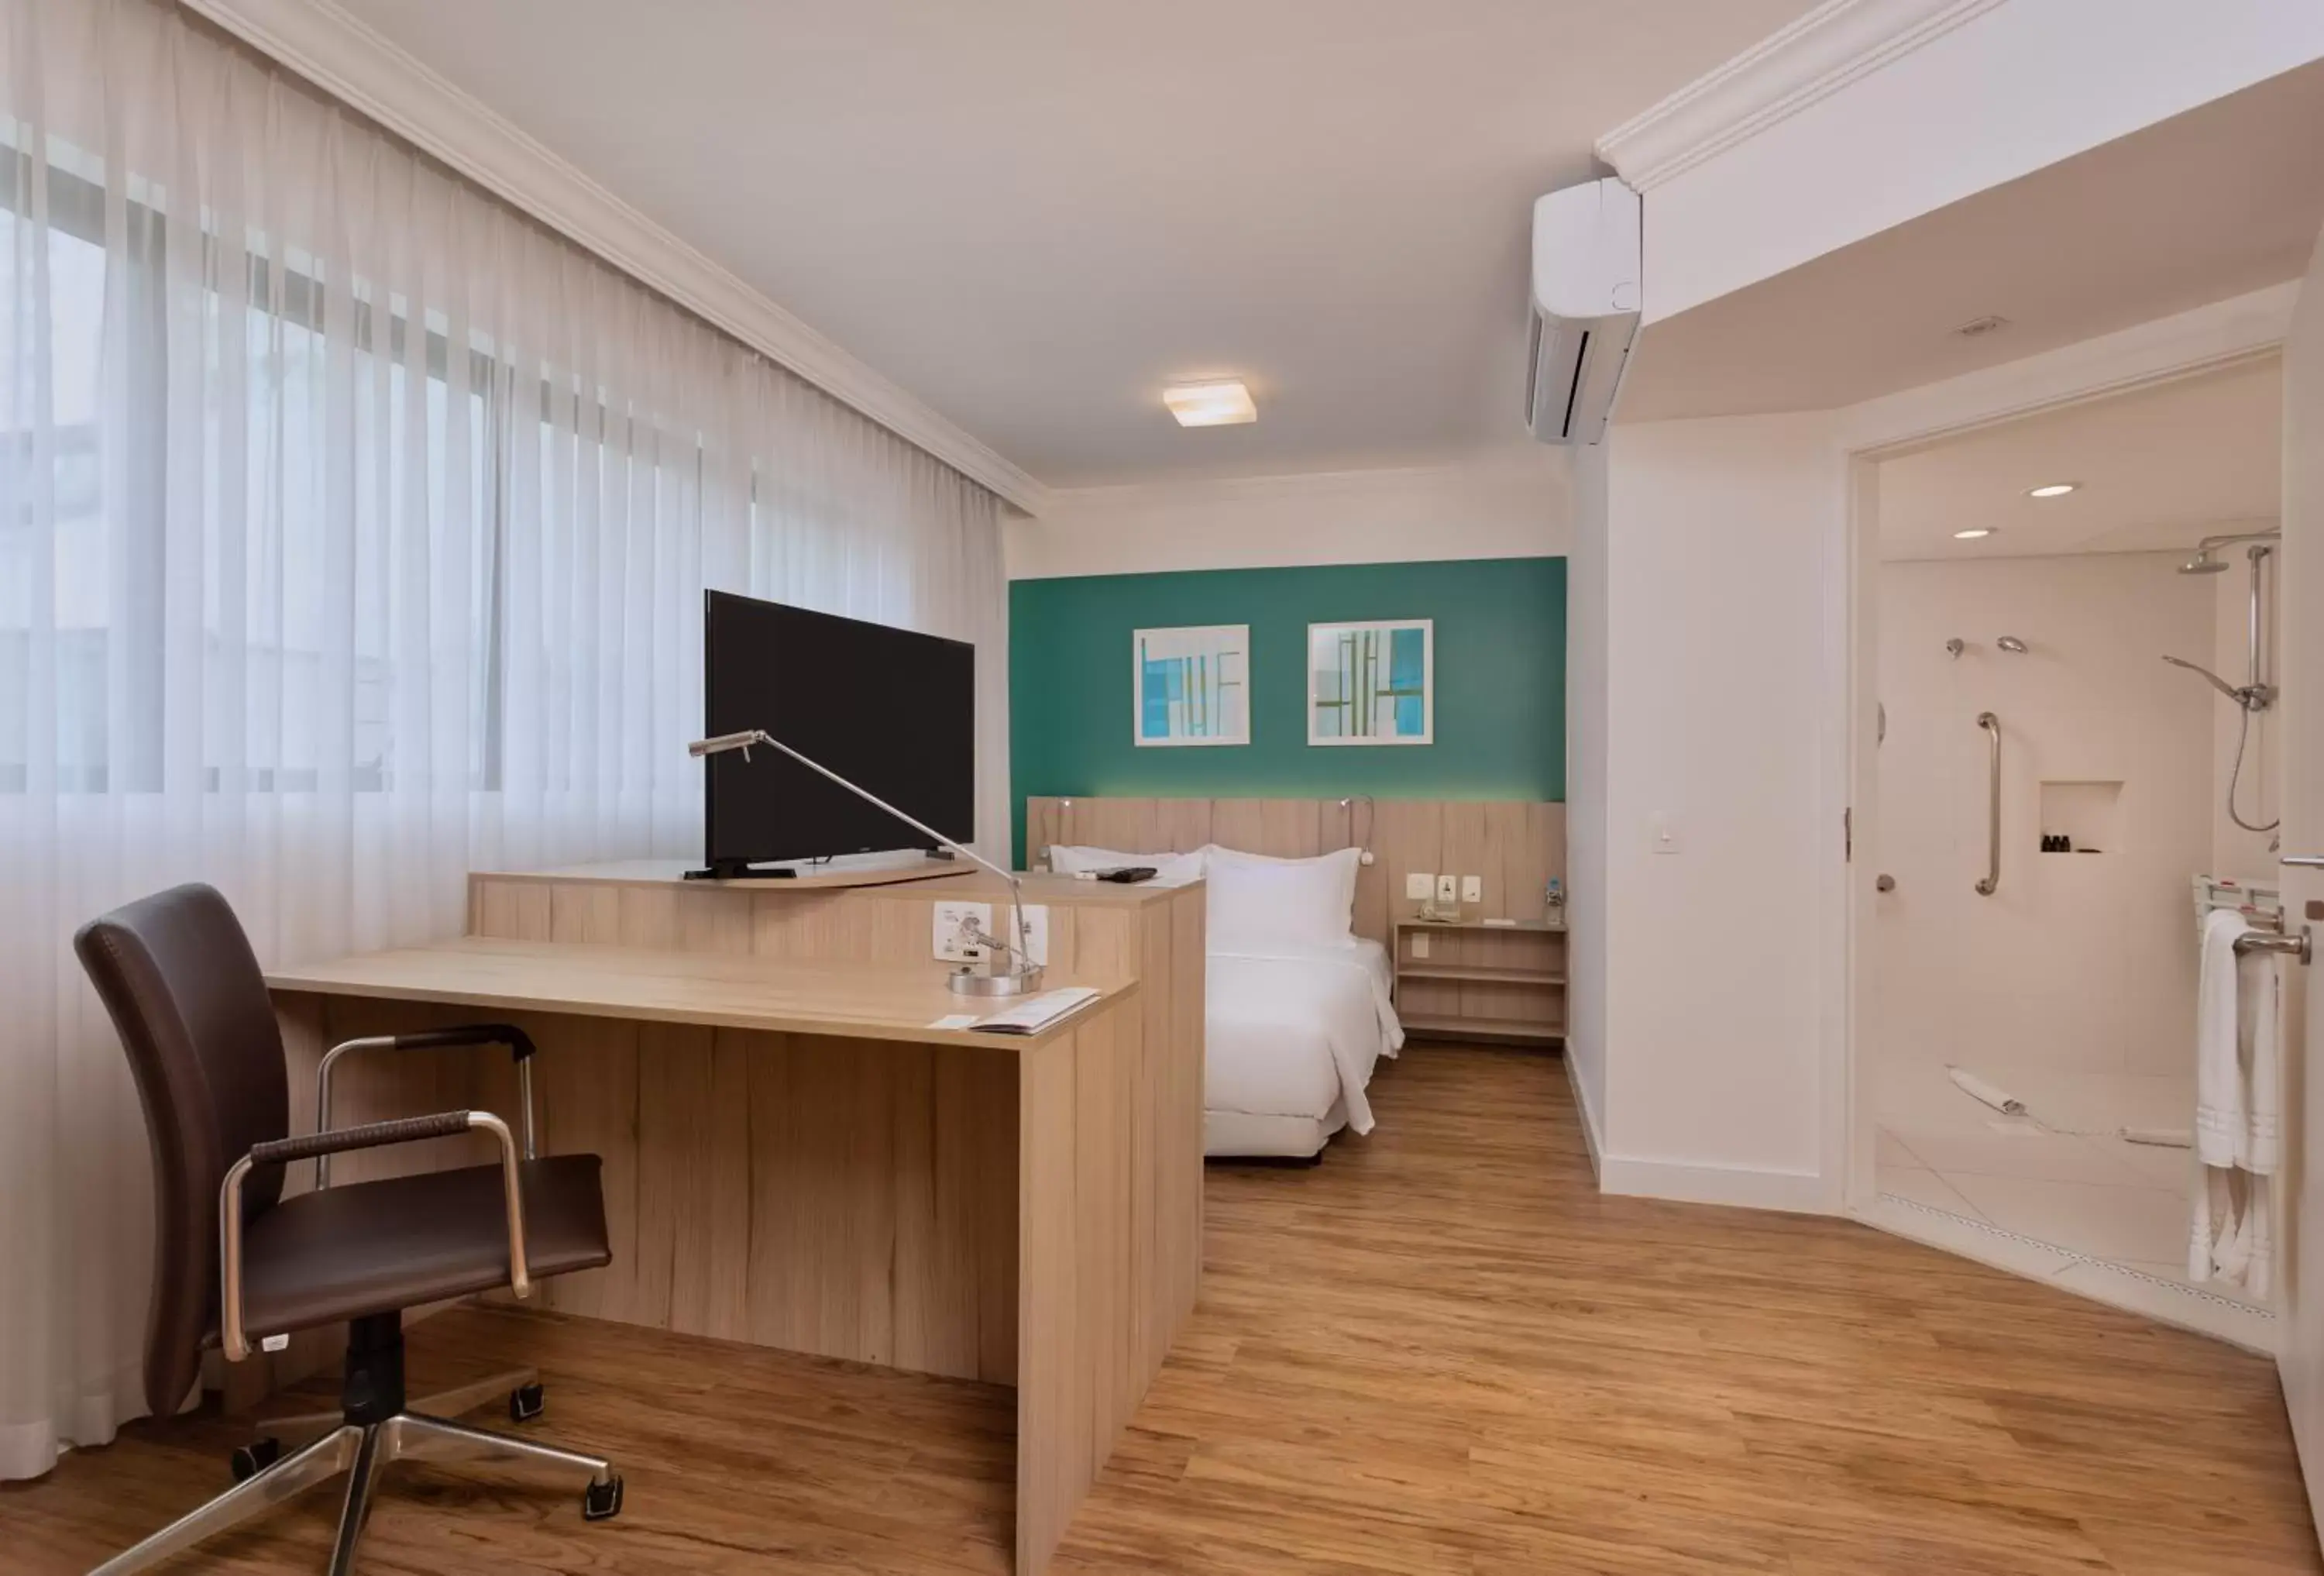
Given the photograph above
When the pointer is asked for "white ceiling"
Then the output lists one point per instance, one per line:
(1033, 214)
(2157, 469)
(2226, 199)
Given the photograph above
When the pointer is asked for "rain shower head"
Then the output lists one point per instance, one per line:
(2207, 560)
(2011, 643)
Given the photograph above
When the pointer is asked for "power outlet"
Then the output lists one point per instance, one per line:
(955, 923)
(1418, 884)
(1472, 889)
(1448, 888)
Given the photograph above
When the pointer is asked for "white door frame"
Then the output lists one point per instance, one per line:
(2242, 329)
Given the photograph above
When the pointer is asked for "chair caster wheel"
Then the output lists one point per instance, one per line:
(526, 1403)
(602, 1501)
(252, 1459)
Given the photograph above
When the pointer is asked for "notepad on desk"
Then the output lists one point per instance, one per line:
(1036, 1013)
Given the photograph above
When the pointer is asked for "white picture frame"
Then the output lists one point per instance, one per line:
(1190, 686)
(1356, 697)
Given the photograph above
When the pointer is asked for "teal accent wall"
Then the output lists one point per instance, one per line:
(1500, 683)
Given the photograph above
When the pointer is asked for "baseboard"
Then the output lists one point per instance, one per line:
(1590, 1133)
(1742, 1186)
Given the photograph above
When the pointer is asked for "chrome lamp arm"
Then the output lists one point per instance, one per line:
(1023, 974)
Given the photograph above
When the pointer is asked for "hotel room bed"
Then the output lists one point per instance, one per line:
(1292, 1035)
(1296, 1010)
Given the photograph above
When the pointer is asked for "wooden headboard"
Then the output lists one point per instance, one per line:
(1515, 845)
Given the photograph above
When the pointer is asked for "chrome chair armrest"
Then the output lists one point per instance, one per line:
(520, 1047)
(233, 1338)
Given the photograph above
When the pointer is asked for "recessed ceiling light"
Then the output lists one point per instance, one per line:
(1219, 404)
(2053, 490)
(1974, 533)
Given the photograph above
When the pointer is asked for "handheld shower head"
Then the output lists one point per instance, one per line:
(2242, 697)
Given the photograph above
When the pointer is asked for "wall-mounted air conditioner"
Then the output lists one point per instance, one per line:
(1586, 263)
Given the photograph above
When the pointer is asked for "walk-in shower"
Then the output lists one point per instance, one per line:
(2255, 694)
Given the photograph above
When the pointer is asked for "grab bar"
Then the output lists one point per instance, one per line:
(1992, 881)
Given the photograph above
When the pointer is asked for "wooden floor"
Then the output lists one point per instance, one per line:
(1439, 1351)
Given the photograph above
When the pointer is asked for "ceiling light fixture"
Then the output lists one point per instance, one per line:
(1220, 404)
(2053, 490)
(1974, 533)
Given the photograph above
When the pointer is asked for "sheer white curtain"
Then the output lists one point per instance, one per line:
(353, 534)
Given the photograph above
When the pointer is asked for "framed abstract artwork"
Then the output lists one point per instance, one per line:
(1193, 685)
(1373, 683)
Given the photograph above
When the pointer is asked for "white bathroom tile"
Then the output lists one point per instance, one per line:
(2151, 1164)
(2127, 1221)
(2044, 1156)
(1918, 1185)
(2157, 1102)
(1888, 1149)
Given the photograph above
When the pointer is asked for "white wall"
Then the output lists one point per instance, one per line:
(1586, 694)
(1508, 504)
(2081, 961)
(2018, 86)
(1723, 689)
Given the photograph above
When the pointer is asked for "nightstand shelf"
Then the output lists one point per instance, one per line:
(1469, 979)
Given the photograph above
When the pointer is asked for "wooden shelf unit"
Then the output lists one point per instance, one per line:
(1503, 983)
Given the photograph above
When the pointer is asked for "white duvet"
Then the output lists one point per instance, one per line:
(1294, 1028)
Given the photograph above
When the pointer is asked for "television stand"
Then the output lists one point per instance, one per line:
(839, 874)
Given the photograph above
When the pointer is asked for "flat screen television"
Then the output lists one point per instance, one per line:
(891, 709)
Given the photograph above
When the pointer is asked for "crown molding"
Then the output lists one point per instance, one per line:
(346, 58)
(1810, 59)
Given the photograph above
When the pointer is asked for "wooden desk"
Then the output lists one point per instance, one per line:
(795, 1158)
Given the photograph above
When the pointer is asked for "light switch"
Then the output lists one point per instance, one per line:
(1665, 834)
(1448, 889)
(1472, 889)
(1418, 884)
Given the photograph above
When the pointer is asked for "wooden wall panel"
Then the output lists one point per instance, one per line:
(1515, 846)
(1109, 1226)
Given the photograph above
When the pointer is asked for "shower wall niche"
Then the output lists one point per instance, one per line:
(2085, 817)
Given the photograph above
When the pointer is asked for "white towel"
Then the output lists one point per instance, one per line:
(2239, 1100)
(2220, 1122)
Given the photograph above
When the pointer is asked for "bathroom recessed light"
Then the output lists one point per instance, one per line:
(1974, 533)
(2053, 490)
(1220, 404)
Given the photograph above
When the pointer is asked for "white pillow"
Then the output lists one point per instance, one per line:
(1171, 869)
(1258, 902)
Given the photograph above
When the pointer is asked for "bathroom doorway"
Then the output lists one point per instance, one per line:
(2077, 760)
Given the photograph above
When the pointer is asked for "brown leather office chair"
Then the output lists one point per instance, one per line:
(237, 1262)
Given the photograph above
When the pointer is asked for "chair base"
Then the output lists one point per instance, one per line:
(363, 1452)
(372, 1429)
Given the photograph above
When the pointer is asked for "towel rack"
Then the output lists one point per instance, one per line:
(2301, 946)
